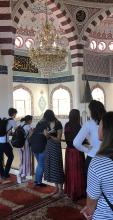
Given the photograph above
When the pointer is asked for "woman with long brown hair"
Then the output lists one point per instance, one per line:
(74, 159)
(54, 163)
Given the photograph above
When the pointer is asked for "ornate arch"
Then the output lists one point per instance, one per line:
(65, 88)
(29, 91)
(59, 10)
(93, 22)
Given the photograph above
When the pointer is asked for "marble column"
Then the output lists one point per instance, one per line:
(77, 72)
(6, 84)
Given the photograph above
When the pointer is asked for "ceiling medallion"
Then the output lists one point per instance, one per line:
(80, 15)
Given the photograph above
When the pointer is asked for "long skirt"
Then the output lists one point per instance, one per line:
(53, 171)
(74, 174)
(25, 160)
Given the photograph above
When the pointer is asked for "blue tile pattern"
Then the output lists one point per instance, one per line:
(3, 69)
(36, 80)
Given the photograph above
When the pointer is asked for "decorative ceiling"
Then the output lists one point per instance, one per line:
(99, 1)
(33, 19)
(104, 31)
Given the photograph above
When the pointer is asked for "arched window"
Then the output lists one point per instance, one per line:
(98, 94)
(61, 102)
(22, 102)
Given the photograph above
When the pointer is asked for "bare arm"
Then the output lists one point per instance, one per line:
(89, 209)
(30, 132)
(93, 190)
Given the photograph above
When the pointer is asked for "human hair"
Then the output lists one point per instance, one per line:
(49, 115)
(74, 117)
(27, 118)
(106, 148)
(97, 110)
(12, 112)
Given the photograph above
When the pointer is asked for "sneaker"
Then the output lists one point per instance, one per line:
(19, 180)
(24, 180)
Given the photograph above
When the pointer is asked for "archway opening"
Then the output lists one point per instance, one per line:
(98, 94)
(61, 102)
(22, 102)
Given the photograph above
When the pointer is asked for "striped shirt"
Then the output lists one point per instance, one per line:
(100, 178)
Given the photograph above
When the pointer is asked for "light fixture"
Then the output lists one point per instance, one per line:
(93, 45)
(102, 46)
(49, 50)
(29, 42)
(18, 42)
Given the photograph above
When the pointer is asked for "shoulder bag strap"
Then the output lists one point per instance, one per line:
(107, 200)
(27, 133)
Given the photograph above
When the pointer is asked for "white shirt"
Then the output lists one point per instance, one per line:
(11, 124)
(27, 128)
(90, 131)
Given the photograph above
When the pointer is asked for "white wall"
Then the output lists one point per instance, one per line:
(108, 90)
(6, 86)
(37, 91)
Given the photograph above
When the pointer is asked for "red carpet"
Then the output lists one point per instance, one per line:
(8, 182)
(27, 201)
(67, 213)
(20, 197)
(4, 211)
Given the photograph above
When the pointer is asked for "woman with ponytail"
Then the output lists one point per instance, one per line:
(24, 153)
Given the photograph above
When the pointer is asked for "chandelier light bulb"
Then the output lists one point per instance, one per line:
(54, 44)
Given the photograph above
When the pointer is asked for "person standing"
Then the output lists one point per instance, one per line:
(38, 144)
(53, 161)
(5, 148)
(6, 130)
(74, 185)
(100, 175)
(89, 130)
(12, 112)
(25, 153)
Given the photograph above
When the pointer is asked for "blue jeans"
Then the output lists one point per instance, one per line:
(40, 157)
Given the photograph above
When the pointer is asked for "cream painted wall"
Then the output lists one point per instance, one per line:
(47, 90)
(4, 95)
(108, 91)
(36, 90)
(6, 86)
(69, 85)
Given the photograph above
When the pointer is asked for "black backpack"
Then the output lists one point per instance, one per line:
(19, 136)
(38, 140)
(3, 127)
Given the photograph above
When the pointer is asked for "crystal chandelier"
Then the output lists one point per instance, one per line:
(49, 50)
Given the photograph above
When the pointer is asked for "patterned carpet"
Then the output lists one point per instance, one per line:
(27, 201)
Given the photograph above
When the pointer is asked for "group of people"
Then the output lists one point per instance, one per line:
(88, 157)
